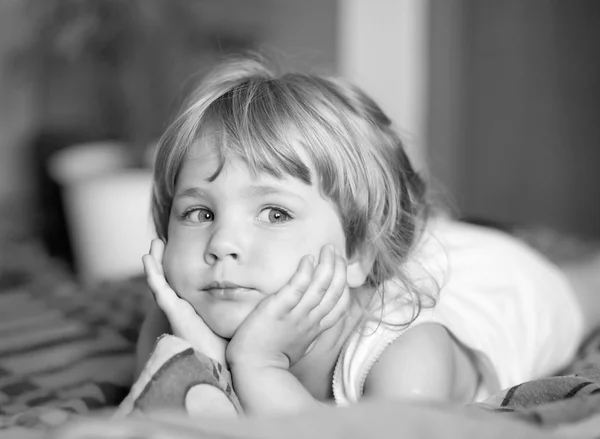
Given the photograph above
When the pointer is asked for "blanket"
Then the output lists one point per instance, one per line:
(560, 406)
(65, 349)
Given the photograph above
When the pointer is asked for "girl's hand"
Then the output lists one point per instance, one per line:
(284, 325)
(182, 316)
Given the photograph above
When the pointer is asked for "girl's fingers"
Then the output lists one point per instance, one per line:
(152, 274)
(336, 289)
(336, 314)
(150, 268)
(289, 296)
(163, 293)
(157, 250)
(321, 281)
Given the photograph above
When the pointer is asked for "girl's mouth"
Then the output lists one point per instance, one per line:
(229, 293)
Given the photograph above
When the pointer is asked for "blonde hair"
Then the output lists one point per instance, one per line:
(360, 162)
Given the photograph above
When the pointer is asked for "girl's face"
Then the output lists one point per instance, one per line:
(238, 239)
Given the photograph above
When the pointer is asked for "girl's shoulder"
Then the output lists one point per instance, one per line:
(422, 364)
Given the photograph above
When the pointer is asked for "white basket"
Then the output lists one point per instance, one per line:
(107, 208)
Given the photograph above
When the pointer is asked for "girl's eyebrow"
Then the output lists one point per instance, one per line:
(262, 190)
(192, 192)
(248, 191)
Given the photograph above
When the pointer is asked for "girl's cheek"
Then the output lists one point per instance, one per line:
(170, 265)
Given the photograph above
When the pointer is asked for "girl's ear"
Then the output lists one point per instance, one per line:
(360, 265)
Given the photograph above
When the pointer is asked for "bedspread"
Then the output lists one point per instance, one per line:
(64, 349)
(555, 407)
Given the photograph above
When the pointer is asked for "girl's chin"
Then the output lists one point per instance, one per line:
(225, 330)
(225, 322)
(225, 333)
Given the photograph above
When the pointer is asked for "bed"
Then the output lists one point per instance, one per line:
(67, 360)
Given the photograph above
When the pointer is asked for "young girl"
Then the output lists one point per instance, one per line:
(298, 248)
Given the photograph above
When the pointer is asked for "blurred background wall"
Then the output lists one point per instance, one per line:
(106, 68)
(514, 110)
(498, 101)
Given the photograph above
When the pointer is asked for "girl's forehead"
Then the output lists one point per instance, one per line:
(203, 148)
(206, 160)
(216, 150)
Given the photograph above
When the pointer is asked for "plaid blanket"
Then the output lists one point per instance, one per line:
(64, 349)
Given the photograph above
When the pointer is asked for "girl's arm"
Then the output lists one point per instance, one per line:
(424, 363)
(264, 389)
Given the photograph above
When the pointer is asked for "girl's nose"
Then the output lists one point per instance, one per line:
(224, 244)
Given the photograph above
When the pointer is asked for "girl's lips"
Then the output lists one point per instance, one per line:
(229, 293)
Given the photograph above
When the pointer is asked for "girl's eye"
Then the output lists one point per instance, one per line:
(199, 215)
(274, 215)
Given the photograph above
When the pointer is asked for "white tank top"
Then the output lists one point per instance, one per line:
(514, 310)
